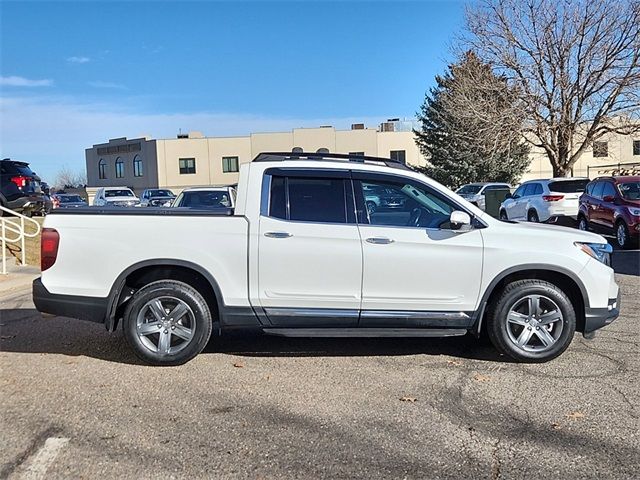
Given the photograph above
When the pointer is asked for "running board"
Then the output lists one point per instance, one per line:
(365, 332)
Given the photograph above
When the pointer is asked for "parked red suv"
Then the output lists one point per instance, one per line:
(612, 205)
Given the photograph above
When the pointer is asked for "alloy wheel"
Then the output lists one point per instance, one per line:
(165, 325)
(582, 224)
(534, 323)
(621, 235)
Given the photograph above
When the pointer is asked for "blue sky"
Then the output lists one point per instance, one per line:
(78, 73)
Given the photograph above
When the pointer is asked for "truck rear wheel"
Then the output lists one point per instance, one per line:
(167, 323)
(531, 321)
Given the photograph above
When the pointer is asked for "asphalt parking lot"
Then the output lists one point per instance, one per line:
(267, 407)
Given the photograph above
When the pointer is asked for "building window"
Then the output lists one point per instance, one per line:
(102, 169)
(187, 166)
(356, 154)
(137, 166)
(119, 168)
(398, 156)
(230, 164)
(600, 149)
(636, 147)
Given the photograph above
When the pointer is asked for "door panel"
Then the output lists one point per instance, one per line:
(309, 264)
(413, 261)
(309, 249)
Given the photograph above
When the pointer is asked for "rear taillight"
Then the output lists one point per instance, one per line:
(56, 202)
(20, 181)
(552, 198)
(48, 248)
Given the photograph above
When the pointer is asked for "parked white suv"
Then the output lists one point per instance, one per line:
(300, 255)
(554, 199)
(115, 197)
(475, 192)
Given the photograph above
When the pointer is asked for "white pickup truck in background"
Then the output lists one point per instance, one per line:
(302, 255)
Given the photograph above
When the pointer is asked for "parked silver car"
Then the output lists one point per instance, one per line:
(475, 192)
(157, 197)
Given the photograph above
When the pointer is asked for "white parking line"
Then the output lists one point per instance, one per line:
(38, 464)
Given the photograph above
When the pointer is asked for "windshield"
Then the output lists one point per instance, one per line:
(469, 189)
(630, 190)
(568, 186)
(118, 193)
(161, 193)
(70, 199)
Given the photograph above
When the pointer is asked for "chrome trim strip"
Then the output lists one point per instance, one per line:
(412, 314)
(312, 312)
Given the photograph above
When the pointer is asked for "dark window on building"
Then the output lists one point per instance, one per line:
(137, 166)
(309, 199)
(600, 149)
(230, 164)
(187, 165)
(636, 147)
(102, 169)
(119, 168)
(398, 156)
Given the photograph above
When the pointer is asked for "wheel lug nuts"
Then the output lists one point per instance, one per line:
(173, 327)
(166, 331)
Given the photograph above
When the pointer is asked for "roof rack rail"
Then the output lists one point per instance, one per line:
(315, 156)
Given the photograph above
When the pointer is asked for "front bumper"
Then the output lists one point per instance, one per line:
(93, 309)
(596, 318)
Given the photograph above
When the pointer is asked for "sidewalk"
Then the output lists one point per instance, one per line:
(18, 279)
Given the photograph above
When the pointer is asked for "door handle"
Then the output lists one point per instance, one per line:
(380, 240)
(278, 234)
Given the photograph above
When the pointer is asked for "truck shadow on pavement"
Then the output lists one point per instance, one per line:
(27, 331)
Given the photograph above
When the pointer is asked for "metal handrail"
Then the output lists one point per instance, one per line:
(17, 228)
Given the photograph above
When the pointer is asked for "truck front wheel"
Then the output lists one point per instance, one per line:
(531, 321)
(167, 323)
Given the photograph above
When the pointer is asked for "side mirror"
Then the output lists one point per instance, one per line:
(460, 221)
(608, 198)
(508, 195)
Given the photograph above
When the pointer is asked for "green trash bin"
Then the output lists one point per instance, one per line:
(493, 199)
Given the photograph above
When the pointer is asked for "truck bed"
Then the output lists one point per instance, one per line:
(144, 211)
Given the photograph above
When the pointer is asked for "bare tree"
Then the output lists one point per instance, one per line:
(67, 178)
(576, 64)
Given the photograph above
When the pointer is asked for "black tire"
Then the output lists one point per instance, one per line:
(623, 238)
(583, 224)
(503, 216)
(503, 334)
(199, 316)
(533, 217)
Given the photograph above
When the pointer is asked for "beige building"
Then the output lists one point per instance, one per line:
(606, 156)
(193, 159)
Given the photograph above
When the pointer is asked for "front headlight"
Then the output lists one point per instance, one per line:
(635, 211)
(599, 251)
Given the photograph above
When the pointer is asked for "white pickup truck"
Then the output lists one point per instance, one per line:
(302, 255)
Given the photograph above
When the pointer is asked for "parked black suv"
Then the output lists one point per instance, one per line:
(20, 188)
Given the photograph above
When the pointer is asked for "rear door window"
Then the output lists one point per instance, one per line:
(597, 190)
(529, 189)
(309, 199)
(569, 186)
(608, 190)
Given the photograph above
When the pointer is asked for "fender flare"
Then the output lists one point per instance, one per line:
(118, 286)
(477, 321)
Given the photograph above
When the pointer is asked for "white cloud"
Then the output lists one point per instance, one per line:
(14, 81)
(78, 59)
(51, 132)
(101, 84)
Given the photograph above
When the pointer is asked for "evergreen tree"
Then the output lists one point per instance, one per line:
(472, 127)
